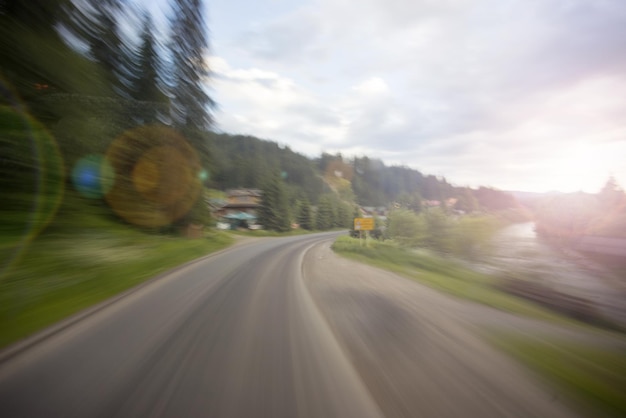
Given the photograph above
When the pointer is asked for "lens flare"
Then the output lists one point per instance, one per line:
(157, 176)
(93, 176)
(31, 177)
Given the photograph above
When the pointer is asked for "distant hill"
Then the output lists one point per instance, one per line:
(244, 161)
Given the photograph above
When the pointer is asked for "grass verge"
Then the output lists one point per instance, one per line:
(83, 257)
(441, 274)
(594, 378)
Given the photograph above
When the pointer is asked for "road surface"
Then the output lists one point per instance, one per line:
(275, 327)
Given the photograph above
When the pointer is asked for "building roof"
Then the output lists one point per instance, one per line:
(244, 192)
(240, 205)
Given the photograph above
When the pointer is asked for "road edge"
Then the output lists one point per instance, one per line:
(15, 349)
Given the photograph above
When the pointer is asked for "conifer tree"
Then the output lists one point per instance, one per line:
(189, 45)
(343, 218)
(146, 85)
(98, 27)
(325, 217)
(305, 218)
(274, 210)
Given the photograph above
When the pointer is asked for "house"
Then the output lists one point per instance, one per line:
(379, 212)
(241, 206)
(240, 200)
(369, 211)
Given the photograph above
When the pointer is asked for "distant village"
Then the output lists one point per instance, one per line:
(239, 209)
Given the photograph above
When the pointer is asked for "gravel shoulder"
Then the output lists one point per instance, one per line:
(420, 353)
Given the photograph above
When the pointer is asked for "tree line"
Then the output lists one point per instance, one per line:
(277, 213)
(568, 217)
(90, 72)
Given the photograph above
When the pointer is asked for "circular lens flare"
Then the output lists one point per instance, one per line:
(157, 176)
(92, 176)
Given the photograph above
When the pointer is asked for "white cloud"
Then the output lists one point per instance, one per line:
(481, 91)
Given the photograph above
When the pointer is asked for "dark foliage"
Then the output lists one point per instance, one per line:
(191, 103)
(244, 161)
(274, 211)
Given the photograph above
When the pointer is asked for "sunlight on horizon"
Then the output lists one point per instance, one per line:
(583, 167)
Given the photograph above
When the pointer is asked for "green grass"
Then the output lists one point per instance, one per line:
(441, 274)
(83, 257)
(594, 378)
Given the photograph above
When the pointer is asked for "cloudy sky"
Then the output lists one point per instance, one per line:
(516, 94)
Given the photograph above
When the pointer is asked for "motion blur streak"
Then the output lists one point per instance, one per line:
(282, 327)
(233, 335)
(31, 178)
(417, 350)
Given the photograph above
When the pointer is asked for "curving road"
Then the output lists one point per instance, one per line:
(276, 327)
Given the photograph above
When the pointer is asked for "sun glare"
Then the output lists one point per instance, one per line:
(579, 168)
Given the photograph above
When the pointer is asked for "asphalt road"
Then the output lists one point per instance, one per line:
(276, 327)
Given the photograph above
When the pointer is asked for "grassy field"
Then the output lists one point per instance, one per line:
(440, 273)
(83, 257)
(594, 377)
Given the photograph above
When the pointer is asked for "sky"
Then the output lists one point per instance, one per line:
(523, 95)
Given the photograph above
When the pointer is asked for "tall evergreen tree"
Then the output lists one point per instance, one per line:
(189, 45)
(343, 218)
(325, 216)
(93, 26)
(305, 216)
(146, 85)
(274, 210)
(106, 44)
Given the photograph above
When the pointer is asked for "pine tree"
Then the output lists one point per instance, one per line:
(343, 215)
(191, 103)
(93, 28)
(325, 217)
(145, 86)
(305, 218)
(274, 210)
(95, 23)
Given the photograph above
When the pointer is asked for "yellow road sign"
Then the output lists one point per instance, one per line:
(363, 224)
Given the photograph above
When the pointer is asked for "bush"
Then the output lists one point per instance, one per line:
(472, 236)
(467, 237)
(406, 228)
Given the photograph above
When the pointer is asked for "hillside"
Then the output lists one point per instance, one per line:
(244, 161)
